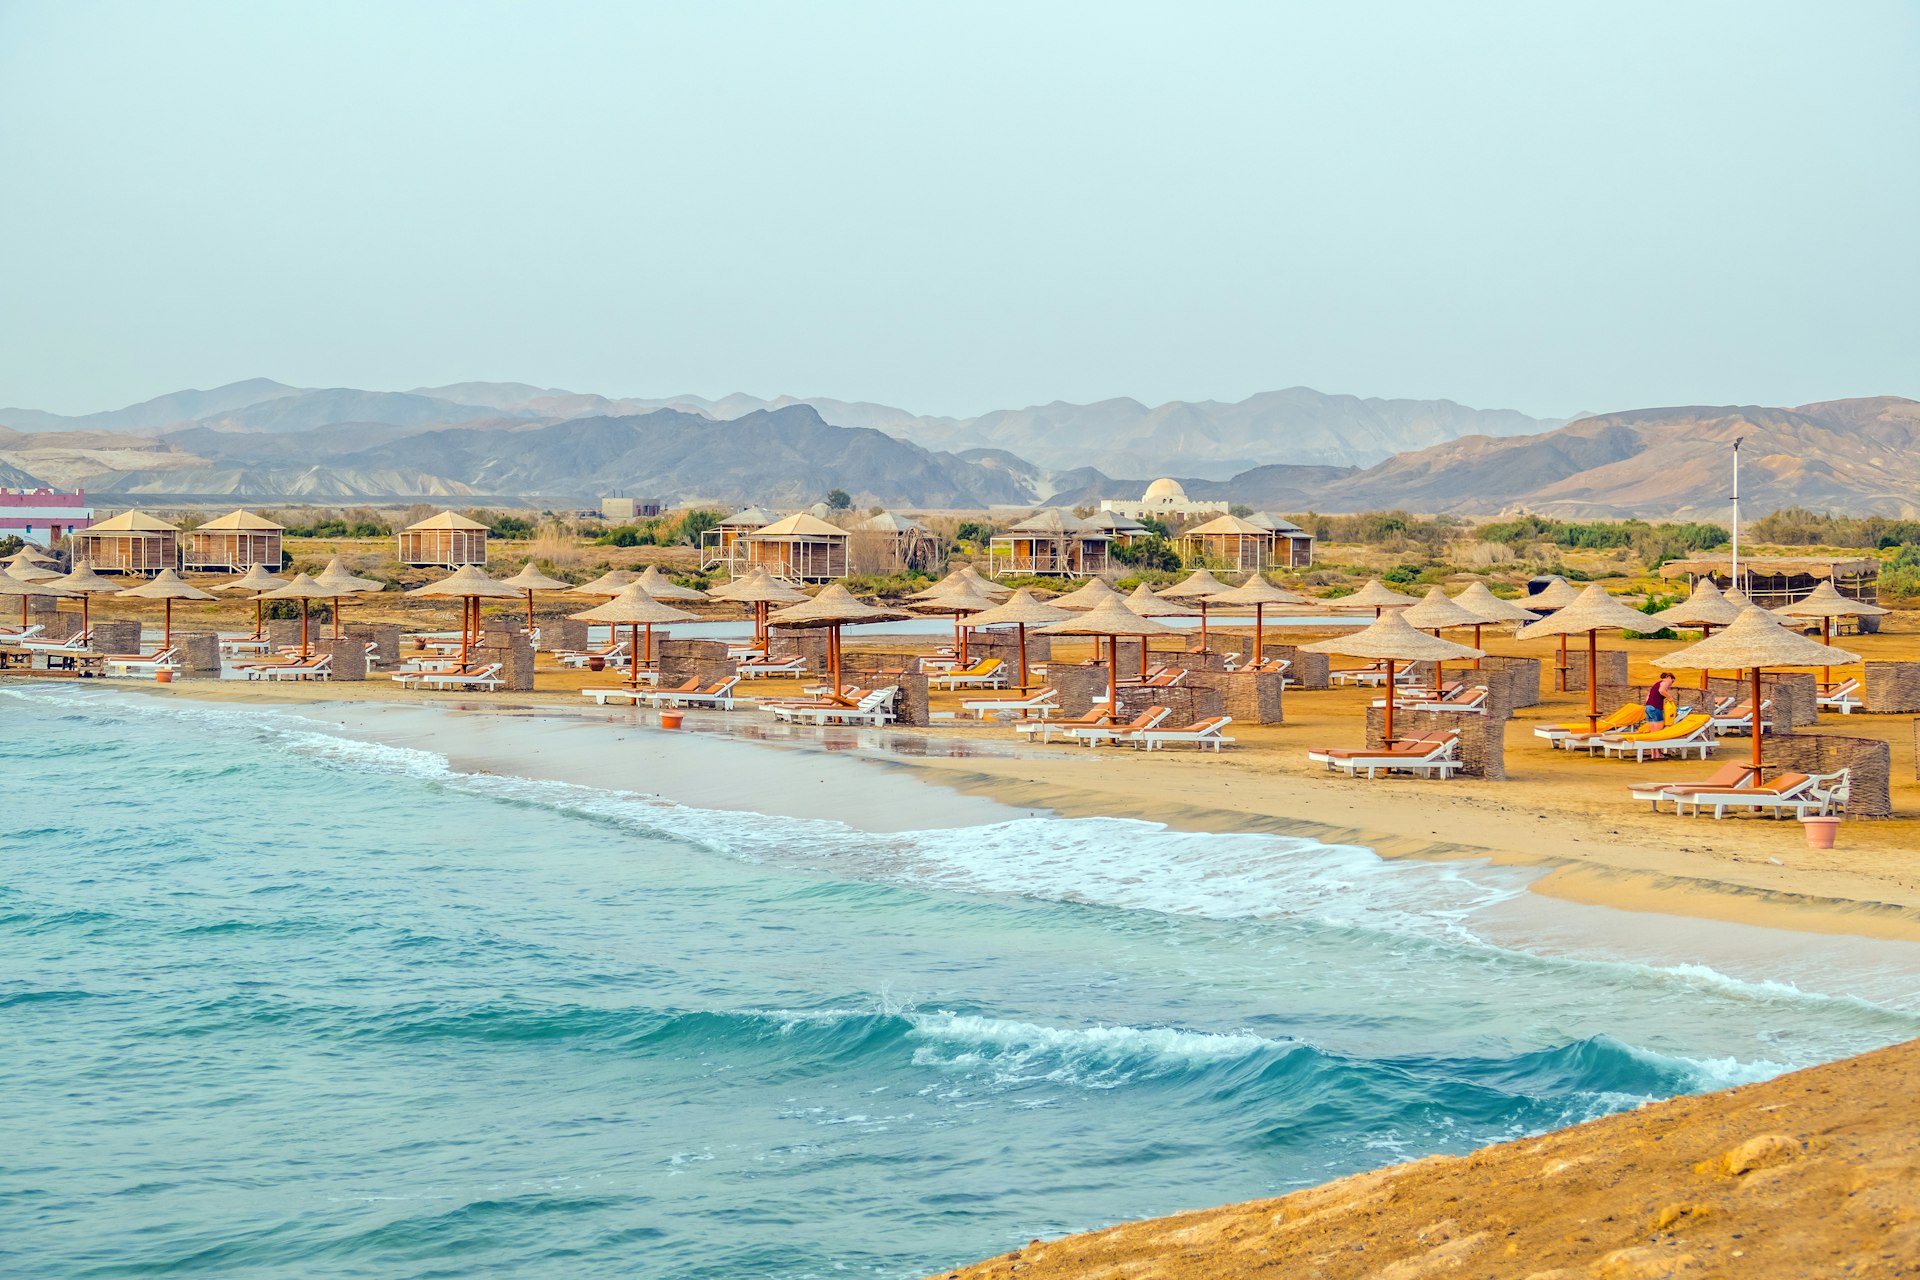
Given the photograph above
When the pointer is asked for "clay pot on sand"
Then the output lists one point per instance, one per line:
(670, 719)
(1820, 829)
(596, 663)
(163, 676)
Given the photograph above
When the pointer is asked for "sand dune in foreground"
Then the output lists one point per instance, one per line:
(1812, 1174)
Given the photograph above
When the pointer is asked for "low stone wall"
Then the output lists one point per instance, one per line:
(1309, 670)
(1795, 696)
(1483, 739)
(1514, 681)
(569, 634)
(384, 636)
(54, 623)
(1003, 644)
(910, 704)
(1251, 697)
(349, 655)
(1871, 760)
(809, 642)
(284, 633)
(1077, 683)
(1186, 704)
(1610, 663)
(514, 654)
(1891, 688)
(703, 660)
(117, 636)
(199, 652)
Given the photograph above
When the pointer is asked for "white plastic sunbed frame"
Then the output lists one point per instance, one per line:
(1440, 759)
(1203, 734)
(871, 709)
(142, 666)
(487, 677)
(1039, 706)
(317, 668)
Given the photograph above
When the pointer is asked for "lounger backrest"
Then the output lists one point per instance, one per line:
(1788, 784)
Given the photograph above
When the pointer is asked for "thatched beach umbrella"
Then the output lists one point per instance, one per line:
(530, 580)
(86, 584)
(661, 587)
(1148, 605)
(1557, 594)
(470, 585)
(759, 589)
(255, 580)
(336, 575)
(1201, 587)
(1391, 638)
(1111, 619)
(1438, 612)
(30, 554)
(957, 602)
(306, 589)
(167, 586)
(609, 584)
(1091, 595)
(1259, 593)
(1020, 611)
(1591, 612)
(13, 585)
(634, 608)
(1706, 609)
(1376, 595)
(28, 568)
(982, 583)
(1826, 604)
(1754, 641)
(1490, 609)
(831, 610)
(953, 579)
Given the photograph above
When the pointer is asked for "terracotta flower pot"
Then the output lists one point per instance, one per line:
(671, 719)
(1820, 829)
(163, 676)
(596, 663)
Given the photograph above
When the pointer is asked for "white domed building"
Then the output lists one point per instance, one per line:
(1164, 500)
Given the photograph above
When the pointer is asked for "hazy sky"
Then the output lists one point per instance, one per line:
(1550, 207)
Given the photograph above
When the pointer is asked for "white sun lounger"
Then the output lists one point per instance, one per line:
(1202, 734)
(1425, 758)
(1040, 706)
(1729, 722)
(1699, 739)
(1375, 674)
(792, 666)
(1793, 793)
(631, 697)
(871, 709)
(487, 677)
(609, 655)
(14, 635)
(714, 695)
(1094, 735)
(990, 674)
(1843, 697)
(141, 666)
(75, 643)
(319, 667)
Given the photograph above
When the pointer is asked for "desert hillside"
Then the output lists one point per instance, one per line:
(1811, 1174)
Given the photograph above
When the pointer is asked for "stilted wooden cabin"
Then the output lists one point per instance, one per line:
(445, 541)
(233, 544)
(1293, 546)
(801, 548)
(131, 542)
(899, 542)
(1052, 543)
(1122, 528)
(721, 546)
(1237, 543)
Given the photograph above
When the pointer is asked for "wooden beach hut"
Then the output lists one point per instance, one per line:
(1237, 543)
(800, 548)
(1051, 543)
(1292, 545)
(1122, 528)
(445, 541)
(723, 546)
(233, 543)
(896, 542)
(131, 542)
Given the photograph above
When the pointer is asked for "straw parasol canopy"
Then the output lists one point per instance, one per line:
(1705, 608)
(12, 585)
(981, 582)
(256, 579)
(1489, 609)
(1110, 618)
(1437, 611)
(337, 572)
(1377, 596)
(167, 586)
(1591, 612)
(306, 589)
(1826, 604)
(1200, 586)
(1148, 605)
(29, 568)
(530, 580)
(957, 601)
(1091, 595)
(1391, 638)
(1020, 611)
(953, 579)
(1753, 641)
(635, 607)
(610, 583)
(833, 609)
(1258, 592)
(761, 590)
(470, 585)
(31, 554)
(661, 587)
(1557, 594)
(86, 584)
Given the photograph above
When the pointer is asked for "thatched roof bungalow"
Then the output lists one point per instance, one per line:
(445, 541)
(131, 542)
(233, 543)
(1051, 543)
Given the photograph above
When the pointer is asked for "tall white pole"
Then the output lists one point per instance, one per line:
(1736, 510)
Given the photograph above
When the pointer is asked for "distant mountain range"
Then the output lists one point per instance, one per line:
(1287, 450)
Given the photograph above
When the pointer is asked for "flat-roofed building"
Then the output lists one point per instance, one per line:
(43, 515)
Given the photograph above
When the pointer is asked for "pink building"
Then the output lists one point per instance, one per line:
(42, 515)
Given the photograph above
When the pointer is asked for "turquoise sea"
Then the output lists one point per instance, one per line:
(275, 1002)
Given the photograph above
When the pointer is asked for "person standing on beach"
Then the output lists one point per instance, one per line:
(1659, 699)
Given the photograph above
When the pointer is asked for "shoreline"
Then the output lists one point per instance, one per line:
(1579, 863)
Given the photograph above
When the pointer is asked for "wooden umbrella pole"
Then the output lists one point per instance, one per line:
(1476, 644)
(166, 627)
(1758, 767)
(1706, 674)
(1021, 628)
(833, 663)
(633, 654)
(529, 610)
(259, 617)
(1826, 673)
(1203, 624)
(1560, 672)
(1113, 676)
(1143, 657)
(1593, 681)
(304, 652)
(1258, 629)
(965, 634)
(1387, 743)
